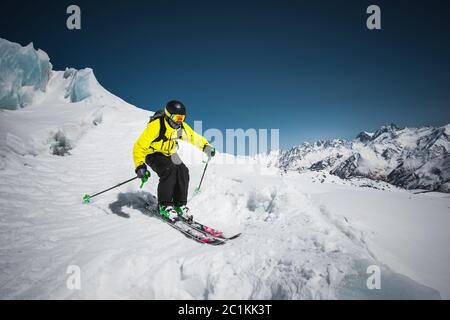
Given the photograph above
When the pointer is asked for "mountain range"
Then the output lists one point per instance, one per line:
(412, 158)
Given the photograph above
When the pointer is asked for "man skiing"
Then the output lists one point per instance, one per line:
(157, 147)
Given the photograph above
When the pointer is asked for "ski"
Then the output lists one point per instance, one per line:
(207, 231)
(210, 231)
(190, 232)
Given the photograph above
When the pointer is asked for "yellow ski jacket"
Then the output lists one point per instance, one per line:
(146, 145)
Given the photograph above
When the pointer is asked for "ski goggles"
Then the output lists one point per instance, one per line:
(176, 117)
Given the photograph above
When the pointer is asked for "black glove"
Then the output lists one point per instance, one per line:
(210, 151)
(141, 171)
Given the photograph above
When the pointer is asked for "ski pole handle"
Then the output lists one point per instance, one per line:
(145, 179)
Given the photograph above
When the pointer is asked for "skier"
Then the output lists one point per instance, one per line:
(157, 147)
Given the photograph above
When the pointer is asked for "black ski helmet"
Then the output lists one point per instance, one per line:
(175, 107)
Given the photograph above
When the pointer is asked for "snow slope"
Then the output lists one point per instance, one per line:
(301, 239)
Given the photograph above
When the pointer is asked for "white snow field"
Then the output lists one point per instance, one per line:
(301, 239)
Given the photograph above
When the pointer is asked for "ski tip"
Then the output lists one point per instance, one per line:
(213, 232)
(235, 236)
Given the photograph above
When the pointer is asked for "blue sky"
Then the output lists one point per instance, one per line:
(311, 69)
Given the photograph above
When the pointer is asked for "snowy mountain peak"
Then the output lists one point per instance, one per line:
(26, 77)
(364, 136)
(59, 107)
(386, 132)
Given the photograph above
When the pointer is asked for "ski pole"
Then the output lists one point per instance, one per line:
(197, 190)
(87, 197)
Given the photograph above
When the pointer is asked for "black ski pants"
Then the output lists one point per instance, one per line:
(173, 178)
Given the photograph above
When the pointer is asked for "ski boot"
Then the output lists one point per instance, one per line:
(183, 212)
(168, 212)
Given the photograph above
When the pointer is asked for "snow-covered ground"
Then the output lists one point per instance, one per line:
(304, 236)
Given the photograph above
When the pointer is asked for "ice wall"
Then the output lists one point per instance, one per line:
(23, 71)
(81, 84)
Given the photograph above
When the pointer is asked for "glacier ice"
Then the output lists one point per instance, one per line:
(80, 84)
(23, 70)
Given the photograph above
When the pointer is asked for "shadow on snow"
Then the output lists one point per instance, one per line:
(135, 200)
